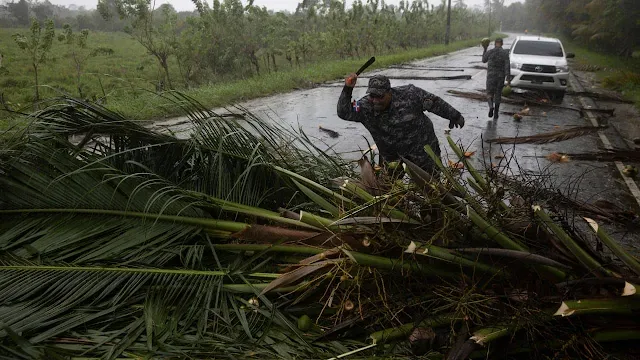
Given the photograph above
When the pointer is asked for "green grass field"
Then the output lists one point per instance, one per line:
(128, 77)
(128, 68)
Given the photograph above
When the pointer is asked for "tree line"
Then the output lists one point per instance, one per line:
(229, 39)
(610, 26)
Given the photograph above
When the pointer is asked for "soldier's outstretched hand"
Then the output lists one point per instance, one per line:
(459, 122)
(350, 81)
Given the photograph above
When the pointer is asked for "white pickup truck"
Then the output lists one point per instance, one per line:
(540, 63)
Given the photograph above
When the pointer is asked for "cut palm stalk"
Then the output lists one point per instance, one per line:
(479, 180)
(624, 305)
(293, 249)
(429, 185)
(467, 164)
(459, 188)
(444, 255)
(207, 223)
(489, 334)
(315, 220)
(583, 257)
(364, 195)
(351, 214)
(475, 186)
(251, 288)
(493, 233)
(379, 262)
(255, 211)
(621, 253)
(601, 336)
(319, 200)
(515, 254)
(339, 198)
(616, 335)
(504, 241)
(405, 330)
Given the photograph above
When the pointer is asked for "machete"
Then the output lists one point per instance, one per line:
(366, 65)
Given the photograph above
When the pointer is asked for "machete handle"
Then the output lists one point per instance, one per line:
(366, 65)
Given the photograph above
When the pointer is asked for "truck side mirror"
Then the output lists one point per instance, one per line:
(571, 55)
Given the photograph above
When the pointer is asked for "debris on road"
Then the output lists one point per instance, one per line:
(609, 155)
(405, 67)
(630, 171)
(555, 157)
(507, 100)
(331, 133)
(549, 137)
(455, 77)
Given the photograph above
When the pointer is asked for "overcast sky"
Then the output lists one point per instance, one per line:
(187, 5)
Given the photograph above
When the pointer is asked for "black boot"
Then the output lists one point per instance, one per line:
(497, 112)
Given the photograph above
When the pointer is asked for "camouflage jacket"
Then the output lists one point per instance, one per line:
(498, 62)
(403, 129)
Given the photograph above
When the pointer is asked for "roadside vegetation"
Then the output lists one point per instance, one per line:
(602, 34)
(218, 54)
(244, 240)
(612, 72)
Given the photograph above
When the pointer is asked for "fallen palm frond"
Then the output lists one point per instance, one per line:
(435, 68)
(608, 155)
(545, 138)
(455, 77)
(243, 240)
(529, 101)
(600, 96)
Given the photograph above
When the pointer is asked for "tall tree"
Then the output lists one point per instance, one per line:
(20, 11)
(153, 29)
(37, 44)
(79, 51)
(446, 39)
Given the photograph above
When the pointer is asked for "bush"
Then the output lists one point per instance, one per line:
(622, 80)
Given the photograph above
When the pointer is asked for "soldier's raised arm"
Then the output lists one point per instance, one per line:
(485, 55)
(434, 104)
(346, 110)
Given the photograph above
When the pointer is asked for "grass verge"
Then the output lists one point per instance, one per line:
(617, 73)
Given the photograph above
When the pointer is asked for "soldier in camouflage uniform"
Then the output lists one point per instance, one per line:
(396, 120)
(498, 70)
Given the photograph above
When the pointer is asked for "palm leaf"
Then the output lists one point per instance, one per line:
(140, 305)
(545, 138)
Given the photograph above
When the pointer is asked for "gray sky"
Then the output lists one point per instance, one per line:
(186, 5)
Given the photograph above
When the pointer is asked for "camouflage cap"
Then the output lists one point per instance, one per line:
(379, 85)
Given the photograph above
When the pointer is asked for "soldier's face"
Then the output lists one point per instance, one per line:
(498, 44)
(380, 103)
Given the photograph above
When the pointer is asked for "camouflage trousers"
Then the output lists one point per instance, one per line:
(494, 89)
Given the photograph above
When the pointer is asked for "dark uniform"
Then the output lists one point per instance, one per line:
(402, 129)
(497, 71)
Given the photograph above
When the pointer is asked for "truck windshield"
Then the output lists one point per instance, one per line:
(540, 48)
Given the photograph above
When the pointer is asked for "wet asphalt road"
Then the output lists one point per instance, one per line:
(584, 180)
